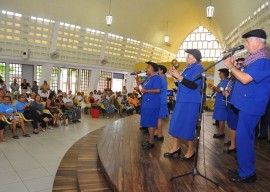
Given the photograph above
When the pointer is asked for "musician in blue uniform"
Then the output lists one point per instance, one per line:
(163, 112)
(185, 114)
(232, 119)
(220, 107)
(151, 88)
(250, 97)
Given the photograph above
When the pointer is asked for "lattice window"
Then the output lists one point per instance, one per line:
(39, 73)
(105, 79)
(203, 40)
(84, 80)
(3, 71)
(15, 71)
(54, 79)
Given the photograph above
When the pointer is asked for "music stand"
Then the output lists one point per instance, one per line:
(195, 170)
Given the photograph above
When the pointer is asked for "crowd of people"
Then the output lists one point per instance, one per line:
(48, 109)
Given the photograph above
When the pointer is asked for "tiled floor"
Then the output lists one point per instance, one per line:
(30, 164)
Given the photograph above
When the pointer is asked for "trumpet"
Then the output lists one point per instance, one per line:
(175, 64)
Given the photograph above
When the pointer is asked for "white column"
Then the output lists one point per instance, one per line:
(103, 48)
(129, 83)
(46, 73)
(94, 77)
(54, 37)
(7, 77)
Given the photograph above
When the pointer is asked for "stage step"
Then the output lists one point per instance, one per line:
(79, 169)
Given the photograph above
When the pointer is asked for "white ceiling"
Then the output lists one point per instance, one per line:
(143, 20)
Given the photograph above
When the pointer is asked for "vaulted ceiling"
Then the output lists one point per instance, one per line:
(143, 20)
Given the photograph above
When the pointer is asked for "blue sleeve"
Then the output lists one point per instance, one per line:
(197, 79)
(259, 70)
(1, 109)
(224, 83)
(157, 82)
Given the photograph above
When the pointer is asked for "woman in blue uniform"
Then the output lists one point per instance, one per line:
(163, 112)
(232, 111)
(220, 107)
(151, 88)
(188, 98)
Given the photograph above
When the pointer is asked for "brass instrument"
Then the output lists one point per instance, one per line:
(175, 64)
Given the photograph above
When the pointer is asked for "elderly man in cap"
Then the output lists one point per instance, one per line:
(185, 114)
(250, 97)
(220, 107)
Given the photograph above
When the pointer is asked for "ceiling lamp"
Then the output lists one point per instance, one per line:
(109, 17)
(167, 37)
(210, 10)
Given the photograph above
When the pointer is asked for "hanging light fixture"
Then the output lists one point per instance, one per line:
(167, 37)
(109, 17)
(210, 10)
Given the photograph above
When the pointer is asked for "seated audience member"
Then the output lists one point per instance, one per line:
(44, 95)
(3, 84)
(43, 118)
(70, 105)
(7, 109)
(116, 105)
(70, 95)
(135, 103)
(35, 87)
(25, 86)
(91, 98)
(108, 107)
(45, 87)
(51, 106)
(67, 113)
(23, 107)
(97, 96)
(32, 97)
(129, 109)
(2, 129)
(14, 87)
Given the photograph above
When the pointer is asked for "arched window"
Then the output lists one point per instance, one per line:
(203, 40)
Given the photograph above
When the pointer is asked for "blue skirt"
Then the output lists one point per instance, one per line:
(232, 118)
(163, 111)
(220, 113)
(183, 121)
(149, 117)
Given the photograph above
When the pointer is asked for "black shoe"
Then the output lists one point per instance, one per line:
(262, 138)
(229, 150)
(217, 136)
(238, 179)
(149, 146)
(78, 121)
(156, 138)
(169, 155)
(232, 172)
(228, 143)
(187, 159)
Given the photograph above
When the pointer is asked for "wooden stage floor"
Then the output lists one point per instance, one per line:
(129, 167)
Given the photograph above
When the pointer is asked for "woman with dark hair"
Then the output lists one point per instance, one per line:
(151, 88)
(23, 107)
(51, 106)
(25, 86)
(67, 113)
(2, 84)
(43, 118)
(220, 108)
(7, 109)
